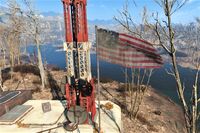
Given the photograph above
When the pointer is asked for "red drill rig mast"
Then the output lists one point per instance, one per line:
(80, 86)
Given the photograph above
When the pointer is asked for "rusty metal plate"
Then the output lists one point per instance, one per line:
(9, 96)
(9, 99)
(16, 113)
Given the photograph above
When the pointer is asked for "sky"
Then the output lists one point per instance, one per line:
(107, 9)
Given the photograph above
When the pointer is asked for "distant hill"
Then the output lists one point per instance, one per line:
(3, 17)
(50, 13)
(3, 14)
(2, 9)
(102, 22)
(1, 20)
(94, 22)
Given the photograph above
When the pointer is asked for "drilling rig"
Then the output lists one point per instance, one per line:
(80, 108)
(80, 86)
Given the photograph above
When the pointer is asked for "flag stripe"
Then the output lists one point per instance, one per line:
(128, 56)
(126, 50)
(130, 65)
(137, 45)
(122, 34)
(127, 53)
(133, 60)
(146, 52)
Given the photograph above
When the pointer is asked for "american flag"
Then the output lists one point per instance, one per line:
(126, 50)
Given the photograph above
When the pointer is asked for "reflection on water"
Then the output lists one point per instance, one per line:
(160, 80)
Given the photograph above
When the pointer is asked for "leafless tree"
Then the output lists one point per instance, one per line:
(195, 97)
(2, 57)
(165, 33)
(135, 83)
(12, 33)
(34, 31)
(126, 20)
(137, 88)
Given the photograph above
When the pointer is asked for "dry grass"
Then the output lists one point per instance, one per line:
(155, 114)
(144, 121)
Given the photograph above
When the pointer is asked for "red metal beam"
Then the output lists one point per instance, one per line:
(67, 20)
(81, 20)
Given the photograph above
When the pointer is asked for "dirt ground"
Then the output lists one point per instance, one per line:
(157, 112)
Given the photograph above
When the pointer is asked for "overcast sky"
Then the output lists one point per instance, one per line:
(106, 9)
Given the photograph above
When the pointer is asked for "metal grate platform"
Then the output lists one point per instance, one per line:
(16, 113)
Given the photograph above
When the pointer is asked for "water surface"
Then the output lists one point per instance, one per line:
(160, 80)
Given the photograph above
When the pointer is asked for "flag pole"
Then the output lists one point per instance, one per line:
(126, 78)
(98, 79)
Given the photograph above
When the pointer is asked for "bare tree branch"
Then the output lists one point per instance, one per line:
(198, 100)
(35, 31)
(170, 7)
(170, 72)
(179, 5)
